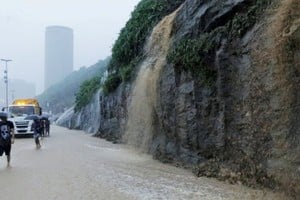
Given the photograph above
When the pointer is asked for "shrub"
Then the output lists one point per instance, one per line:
(111, 83)
(197, 54)
(129, 46)
(86, 92)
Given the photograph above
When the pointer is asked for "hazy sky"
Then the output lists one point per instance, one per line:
(96, 25)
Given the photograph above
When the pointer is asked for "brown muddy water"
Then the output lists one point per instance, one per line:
(74, 165)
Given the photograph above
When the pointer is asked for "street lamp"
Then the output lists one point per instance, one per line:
(6, 79)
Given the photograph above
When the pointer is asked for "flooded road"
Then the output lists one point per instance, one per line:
(74, 165)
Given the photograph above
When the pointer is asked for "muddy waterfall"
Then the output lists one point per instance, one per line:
(139, 128)
(217, 91)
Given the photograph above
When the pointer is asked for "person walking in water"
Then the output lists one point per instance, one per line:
(47, 127)
(7, 136)
(37, 132)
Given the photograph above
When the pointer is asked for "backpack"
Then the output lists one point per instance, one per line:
(5, 132)
(37, 126)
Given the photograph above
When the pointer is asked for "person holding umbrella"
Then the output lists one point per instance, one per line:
(45, 125)
(37, 132)
(36, 127)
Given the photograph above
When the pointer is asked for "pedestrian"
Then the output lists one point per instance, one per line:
(47, 127)
(43, 127)
(37, 132)
(7, 136)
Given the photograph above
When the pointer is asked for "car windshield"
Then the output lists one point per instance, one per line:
(21, 110)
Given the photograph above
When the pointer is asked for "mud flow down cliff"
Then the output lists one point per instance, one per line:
(139, 128)
(217, 90)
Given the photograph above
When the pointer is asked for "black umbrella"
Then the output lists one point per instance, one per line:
(32, 117)
(3, 114)
(44, 117)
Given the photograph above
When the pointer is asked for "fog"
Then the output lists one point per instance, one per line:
(96, 25)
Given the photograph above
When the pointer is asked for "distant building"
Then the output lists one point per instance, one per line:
(58, 54)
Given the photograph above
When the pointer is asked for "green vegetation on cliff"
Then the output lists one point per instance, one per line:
(196, 54)
(190, 54)
(86, 92)
(128, 49)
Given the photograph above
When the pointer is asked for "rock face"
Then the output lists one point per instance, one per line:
(66, 118)
(245, 125)
(114, 114)
(86, 119)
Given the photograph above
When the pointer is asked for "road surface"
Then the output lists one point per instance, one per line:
(72, 165)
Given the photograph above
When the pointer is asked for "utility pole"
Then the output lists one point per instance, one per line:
(6, 79)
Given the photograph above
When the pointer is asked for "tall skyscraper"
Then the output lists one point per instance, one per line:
(58, 54)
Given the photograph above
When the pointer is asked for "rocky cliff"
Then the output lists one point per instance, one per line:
(243, 125)
(226, 98)
(86, 119)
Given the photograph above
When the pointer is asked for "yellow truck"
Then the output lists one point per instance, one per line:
(19, 110)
